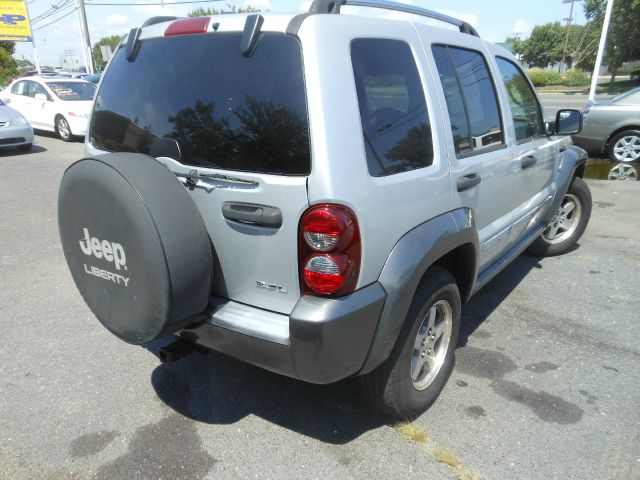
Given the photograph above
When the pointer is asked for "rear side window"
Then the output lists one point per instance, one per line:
(525, 109)
(225, 110)
(393, 110)
(475, 95)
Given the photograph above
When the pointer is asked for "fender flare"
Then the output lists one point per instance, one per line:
(572, 162)
(409, 259)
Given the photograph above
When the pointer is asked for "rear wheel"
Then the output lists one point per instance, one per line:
(411, 379)
(625, 147)
(568, 223)
(63, 129)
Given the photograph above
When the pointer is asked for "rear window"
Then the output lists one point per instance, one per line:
(225, 110)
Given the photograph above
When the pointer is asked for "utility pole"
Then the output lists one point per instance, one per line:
(33, 41)
(603, 41)
(566, 37)
(84, 31)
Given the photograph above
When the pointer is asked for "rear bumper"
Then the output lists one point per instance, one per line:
(323, 340)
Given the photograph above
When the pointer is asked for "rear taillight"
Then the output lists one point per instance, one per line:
(329, 250)
(185, 26)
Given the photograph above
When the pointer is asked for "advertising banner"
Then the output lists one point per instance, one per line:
(14, 21)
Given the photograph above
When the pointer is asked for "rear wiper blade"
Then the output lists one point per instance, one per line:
(194, 175)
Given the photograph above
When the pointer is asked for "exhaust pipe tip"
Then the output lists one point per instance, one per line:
(175, 351)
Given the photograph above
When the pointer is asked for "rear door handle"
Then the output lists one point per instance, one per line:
(253, 214)
(468, 181)
(528, 161)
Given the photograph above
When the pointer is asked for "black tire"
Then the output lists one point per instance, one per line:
(389, 389)
(543, 246)
(63, 130)
(24, 148)
(627, 133)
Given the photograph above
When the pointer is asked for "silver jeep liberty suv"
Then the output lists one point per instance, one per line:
(316, 194)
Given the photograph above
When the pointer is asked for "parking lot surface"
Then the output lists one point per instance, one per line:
(546, 384)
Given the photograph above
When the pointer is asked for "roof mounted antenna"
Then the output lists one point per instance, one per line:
(333, 6)
(251, 34)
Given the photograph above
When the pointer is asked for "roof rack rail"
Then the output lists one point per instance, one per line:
(333, 6)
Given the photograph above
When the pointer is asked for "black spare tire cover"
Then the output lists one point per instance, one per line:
(135, 243)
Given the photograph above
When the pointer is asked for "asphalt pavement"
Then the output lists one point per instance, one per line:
(545, 385)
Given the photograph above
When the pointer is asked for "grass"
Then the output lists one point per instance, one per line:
(412, 432)
(617, 87)
(447, 457)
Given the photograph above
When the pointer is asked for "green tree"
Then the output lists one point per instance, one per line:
(623, 43)
(203, 12)
(113, 41)
(8, 67)
(24, 65)
(544, 46)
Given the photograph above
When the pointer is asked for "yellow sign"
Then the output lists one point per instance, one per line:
(14, 21)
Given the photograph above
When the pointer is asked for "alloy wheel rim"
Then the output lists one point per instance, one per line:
(623, 172)
(431, 344)
(565, 221)
(63, 128)
(627, 149)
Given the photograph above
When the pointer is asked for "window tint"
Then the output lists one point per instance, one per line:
(477, 94)
(455, 102)
(393, 110)
(525, 110)
(225, 110)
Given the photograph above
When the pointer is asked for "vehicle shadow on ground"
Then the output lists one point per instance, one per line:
(216, 389)
(14, 152)
(483, 303)
(45, 133)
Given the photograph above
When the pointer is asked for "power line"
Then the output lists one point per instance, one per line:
(57, 12)
(54, 21)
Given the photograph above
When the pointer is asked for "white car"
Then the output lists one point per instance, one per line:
(15, 131)
(60, 105)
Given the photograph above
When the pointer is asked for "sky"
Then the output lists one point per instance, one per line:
(59, 32)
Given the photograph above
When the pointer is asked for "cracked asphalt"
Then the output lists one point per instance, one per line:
(546, 384)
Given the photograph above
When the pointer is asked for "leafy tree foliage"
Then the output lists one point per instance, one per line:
(623, 43)
(113, 41)
(8, 67)
(203, 12)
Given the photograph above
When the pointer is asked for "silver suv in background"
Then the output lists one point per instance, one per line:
(316, 194)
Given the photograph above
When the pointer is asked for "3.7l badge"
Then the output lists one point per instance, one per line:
(271, 286)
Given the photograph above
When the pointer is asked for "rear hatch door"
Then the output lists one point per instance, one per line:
(234, 128)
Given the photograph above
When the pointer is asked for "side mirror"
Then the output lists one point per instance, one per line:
(40, 96)
(568, 122)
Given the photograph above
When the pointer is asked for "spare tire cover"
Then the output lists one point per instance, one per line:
(135, 243)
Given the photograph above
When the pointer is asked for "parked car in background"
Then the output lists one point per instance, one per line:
(612, 127)
(59, 105)
(94, 78)
(15, 130)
